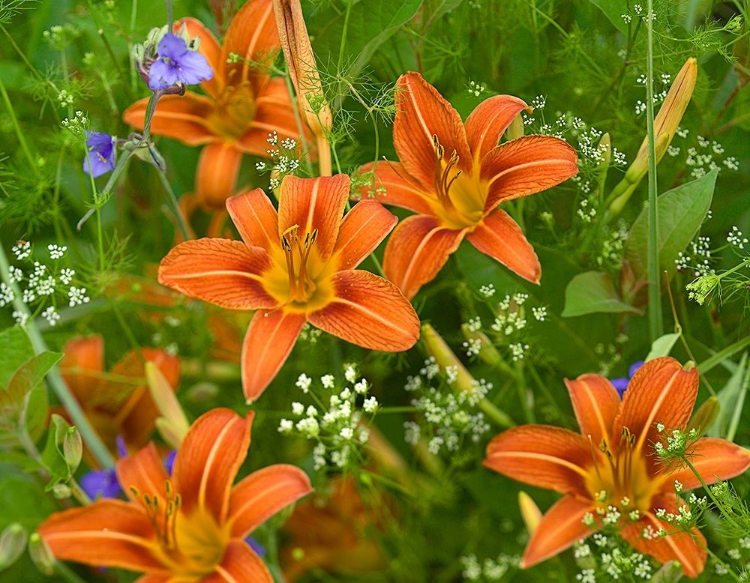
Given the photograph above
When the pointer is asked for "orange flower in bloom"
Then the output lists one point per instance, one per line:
(454, 175)
(297, 266)
(242, 106)
(611, 468)
(117, 402)
(191, 527)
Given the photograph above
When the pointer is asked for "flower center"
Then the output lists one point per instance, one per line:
(621, 480)
(234, 111)
(463, 209)
(191, 546)
(301, 285)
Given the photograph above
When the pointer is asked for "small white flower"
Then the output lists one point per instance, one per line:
(22, 250)
(370, 405)
(56, 251)
(298, 408)
(346, 432)
(77, 296)
(361, 387)
(51, 315)
(286, 426)
(328, 381)
(350, 373)
(6, 295)
(304, 381)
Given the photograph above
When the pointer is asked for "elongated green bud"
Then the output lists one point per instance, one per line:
(41, 554)
(530, 512)
(705, 416)
(12, 543)
(72, 448)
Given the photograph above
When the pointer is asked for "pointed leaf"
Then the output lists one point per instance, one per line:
(613, 10)
(731, 401)
(681, 213)
(662, 346)
(592, 292)
(15, 349)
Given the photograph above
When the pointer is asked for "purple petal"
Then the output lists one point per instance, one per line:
(171, 46)
(194, 68)
(259, 549)
(634, 367)
(620, 384)
(162, 75)
(122, 449)
(98, 140)
(102, 483)
(169, 461)
(101, 156)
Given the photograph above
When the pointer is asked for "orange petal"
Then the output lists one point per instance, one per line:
(87, 356)
(421, 113)
(216, 176)
(264, 493)
(362, 230)
(143, 471)
(240, 565)
(369, 311)
(256, 219)
(182, 118)
(560, 527)
(274, 113)
(544, 456)
(208, 460)
(661, 391)
(677, 546)
(500, 237)
(154, 579)
(596, 403)
(210, 48)
(314, 203)
(488, 122)
(714, 459)
(222, 272)
(525, 166)
(417, 251)
(253, 36)
(400, 190)
(107, 533)
(268, 342)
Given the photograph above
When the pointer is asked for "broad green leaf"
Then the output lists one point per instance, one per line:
(370, 25)
(681, 212)
(613, 10)
(15, 349)
(662, 346)
(593, 292)
(30, 374)
(731, 401)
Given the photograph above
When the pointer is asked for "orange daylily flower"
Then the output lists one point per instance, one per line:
(297, 266)
(191, 527)
(454, 175)
(242, 106)
(116, 402)
(612, 466)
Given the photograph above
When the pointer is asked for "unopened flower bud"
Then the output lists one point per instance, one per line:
(172, 424)
(444, 356)
(705, 416)
(515, 129)
(669, 573)
(41, 554)
(72, 448)
(530, 512)
(12, 543)
(61, 491)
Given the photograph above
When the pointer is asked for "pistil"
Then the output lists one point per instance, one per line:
(301, 285)
(443, 180)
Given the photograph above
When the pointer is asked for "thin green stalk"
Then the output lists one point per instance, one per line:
(17, 129)
(340, 64)
(298, 122)
(181, 221)
(719, 357)
(655, 323)
(502, 419)
(77, 416)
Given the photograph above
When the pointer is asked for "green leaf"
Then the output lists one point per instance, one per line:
(731, 402)
(370, 25)
(30, 374)
(15, 349)
(662, 346)
(593, 292)
(681, 212)
(613, 10)
(53, 456)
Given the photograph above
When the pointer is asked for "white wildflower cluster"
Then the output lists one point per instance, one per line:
(78, 125)
(509, 330)
(42, 287)
(613, 246)
(706, 156)
(610, 559)
(489, 569)
(736, 239)
(336, 421)
(698, 258)
(487, 291)
(447, 416)
(475, 88)
(284, 160)
(310, 334)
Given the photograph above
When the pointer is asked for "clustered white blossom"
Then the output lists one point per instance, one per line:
(610, 560)
(489, 569)
(41, 284)
(283, 159)
(336, 423)
(446, 416)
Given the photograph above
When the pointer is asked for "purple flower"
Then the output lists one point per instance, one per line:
(259, 549)
(169, 461)
(101, 156)
(622, 383)
(102, 483)
(177, 64)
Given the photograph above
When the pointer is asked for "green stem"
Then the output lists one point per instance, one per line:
(495, 414)
(77, 416)
(17, 129)
(655, 323)
(298, 122)
(181, 221)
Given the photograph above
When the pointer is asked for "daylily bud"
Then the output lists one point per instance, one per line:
(530, 512)
(444, 356)
(61, 491)
(303, 72)
(705, 416)
(12, 543)
(172, 424)
(605, 147)
(41, 554)
(72, 448)
(487, 351)
(669, 573)
(666, 123)
(515, 129)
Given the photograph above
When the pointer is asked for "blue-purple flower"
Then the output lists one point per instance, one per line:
(622, 383)
(101, 156)
(177, 65)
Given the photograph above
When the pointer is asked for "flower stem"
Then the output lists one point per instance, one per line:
(655, 323)
(17, 128)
